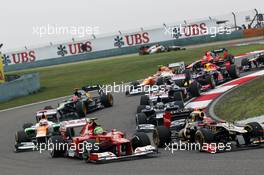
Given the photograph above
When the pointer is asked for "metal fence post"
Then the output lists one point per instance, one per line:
(235, 21)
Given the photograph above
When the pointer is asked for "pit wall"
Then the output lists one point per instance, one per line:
(25, 85)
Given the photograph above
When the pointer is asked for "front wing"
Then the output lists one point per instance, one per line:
(109, 156)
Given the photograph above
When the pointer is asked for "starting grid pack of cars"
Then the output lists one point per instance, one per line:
(162, 118)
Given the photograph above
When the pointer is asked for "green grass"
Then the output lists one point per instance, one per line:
(57, 81)
(244, 102)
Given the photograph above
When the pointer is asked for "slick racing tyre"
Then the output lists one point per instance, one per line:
(161, 136)
(177, 96)
(195, 89)
(144, 100)
(178, 99)
(255, 129)
(27, 125)
(58, 146)
(107, 100)
(89, 147)
(48, 107)
(160, 81)
(141, 118)
(212, 82)
(140, 108)
(21, 136)
(204, 135)
(81, 109)
(245, 63)
(134, 84)
(234, 71)
(140, 139)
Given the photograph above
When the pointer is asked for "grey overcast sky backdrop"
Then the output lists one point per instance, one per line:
(18, 17)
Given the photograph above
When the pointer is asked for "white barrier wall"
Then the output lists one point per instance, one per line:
(172, 32)
(25, 85)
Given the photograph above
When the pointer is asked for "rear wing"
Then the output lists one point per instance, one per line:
(91, 88)
(219, 50)
(180, 114)
(73, 123)
(177, 64)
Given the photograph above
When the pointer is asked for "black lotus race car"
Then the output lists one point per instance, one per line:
(209, 135)
(82, 102)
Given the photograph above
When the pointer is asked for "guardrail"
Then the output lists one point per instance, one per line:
(25, 85)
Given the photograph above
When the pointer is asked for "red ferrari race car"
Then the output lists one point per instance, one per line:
(85, 139)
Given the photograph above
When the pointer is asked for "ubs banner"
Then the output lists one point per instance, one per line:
(165, 33)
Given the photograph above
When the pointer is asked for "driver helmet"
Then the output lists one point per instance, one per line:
(98, 130)
(207, 67)
(76, 89)
(74, 98)
(159, 67)
(160, 105)
(43, 122)
(88, 95)
(197, 116)
(178, 70)
(44, 117)
(208, 56)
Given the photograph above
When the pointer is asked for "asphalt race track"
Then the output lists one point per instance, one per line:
(122, 117)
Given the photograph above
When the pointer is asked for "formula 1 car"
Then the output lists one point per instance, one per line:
(152, 108)
(213, 70)
(157, 48)
(187, 91)
(83, 103)
(147, 85)
(211, 136)
(173, 74)
(183, 78)
(248, 63)
(96, 145)
(32, 135)
(146, 50)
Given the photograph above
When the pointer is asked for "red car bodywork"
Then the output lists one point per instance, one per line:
(123, 148)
